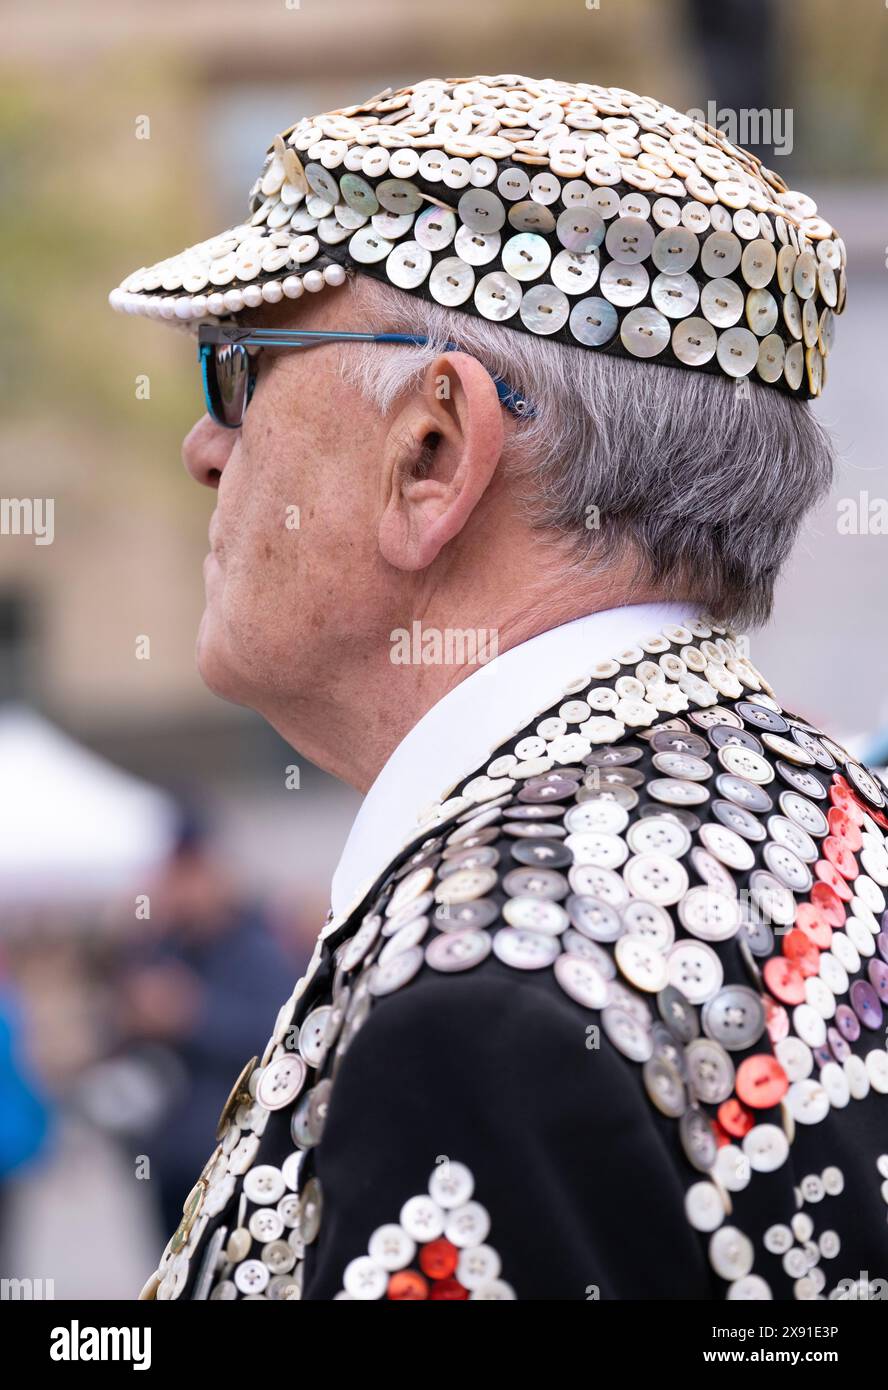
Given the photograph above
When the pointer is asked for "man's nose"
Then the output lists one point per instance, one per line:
(206, 450)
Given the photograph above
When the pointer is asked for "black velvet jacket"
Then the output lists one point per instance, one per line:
(612, 1029)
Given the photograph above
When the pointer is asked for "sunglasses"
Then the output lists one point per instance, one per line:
(228, 366)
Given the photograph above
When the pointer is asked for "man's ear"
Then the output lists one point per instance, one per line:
(439, 458)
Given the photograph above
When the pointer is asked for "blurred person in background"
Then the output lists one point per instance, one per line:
(25, 1114)
(200, 983)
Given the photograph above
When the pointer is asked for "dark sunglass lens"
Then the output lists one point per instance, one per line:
(232, 377)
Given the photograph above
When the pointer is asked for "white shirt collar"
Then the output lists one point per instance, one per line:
(459, 733)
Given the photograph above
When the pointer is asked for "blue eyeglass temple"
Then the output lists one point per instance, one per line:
(510, 399)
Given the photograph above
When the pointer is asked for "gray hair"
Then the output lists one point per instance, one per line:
(698, 485)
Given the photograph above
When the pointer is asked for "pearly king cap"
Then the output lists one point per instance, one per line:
(585, 214)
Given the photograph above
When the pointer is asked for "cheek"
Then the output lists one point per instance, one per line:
(278, 546)
(296, 508)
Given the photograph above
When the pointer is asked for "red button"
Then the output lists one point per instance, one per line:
(799, 948)
(845, 829)
(785, 980)
(735, 1118)
(840, 856)
(761, 1081)
(407, 1286)
(851, 801)
(438, 1259)
(449, 1289)
(828, 904)
(812, 921)
(840, 795)
(833, 879)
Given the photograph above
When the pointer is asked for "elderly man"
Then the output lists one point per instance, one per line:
(598, 1010)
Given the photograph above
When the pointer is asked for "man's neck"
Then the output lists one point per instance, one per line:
(367, 712)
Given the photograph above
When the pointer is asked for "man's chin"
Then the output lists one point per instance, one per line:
(217, 672)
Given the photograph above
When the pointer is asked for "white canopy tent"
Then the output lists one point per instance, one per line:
(74, 829)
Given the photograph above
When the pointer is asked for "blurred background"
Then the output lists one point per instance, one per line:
(161, 880)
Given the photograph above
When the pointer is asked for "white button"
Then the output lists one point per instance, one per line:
(710, 914)
(592, 847)
(364, 1278)
(598, 883)
(812, 1188)
(657, 834)
(820, 996)
(367, 246)
(778, 1239)
(451, 1184)
(422, 1218)
(525, 950)
(478, 1266)
(281, 1082)
(808, 1101)
(582, 980)
(465, 885)
(535, 915)
(833, 973)
(264, 1184)
(869, 893)
(750, 1288)
(766, 1146)
(696, 970)
(646, 919)
(496, 1290)
(251, 1276)
(877, 1070)
(656, 877)
(704, 1207)
(467, 1225)
(802, 1226)
(859, 936)
(731, 1253)
(391, 1247)
(854, 1068)
(811, 1027)
(608, 817)
(795, 1056)
(794, 1262)
(833, 1180)
(835, 1083)
(451, 281)
(641, 963)
(732, 1168)
(408, 265)
(434, 228)
(727, 846)
(266, 1224)
(476, 248)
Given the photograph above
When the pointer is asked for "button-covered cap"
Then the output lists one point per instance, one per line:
(510, 198)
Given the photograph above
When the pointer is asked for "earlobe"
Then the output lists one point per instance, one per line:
(443, 454)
